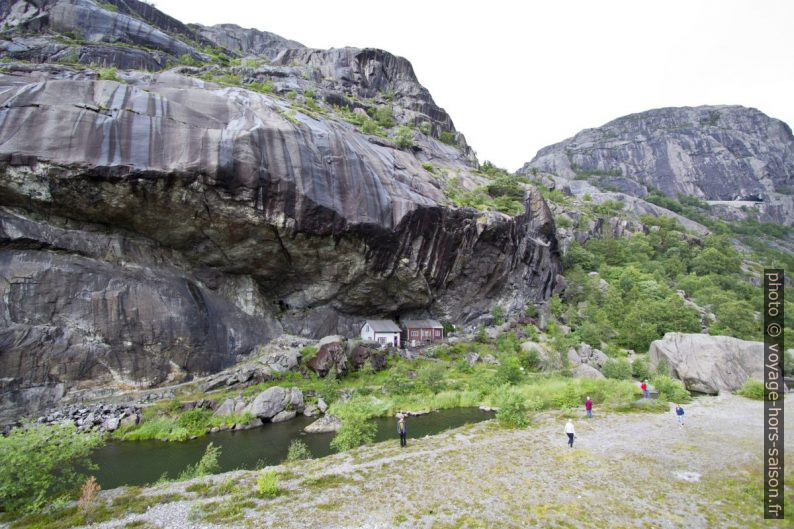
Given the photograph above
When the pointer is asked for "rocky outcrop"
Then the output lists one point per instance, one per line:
(274, 401)
(719, 153)
(325, 424)
(709, 364)
(246, 41)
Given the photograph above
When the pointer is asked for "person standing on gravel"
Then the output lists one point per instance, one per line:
(401, 429)
(679, 415)
(588, 406)
(569, 431)
(644, 387)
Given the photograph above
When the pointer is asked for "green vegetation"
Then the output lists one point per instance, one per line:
(752, 389)
(298, 451)
(261, 86)
(356, 429)
(504, 194)
(188, 60)
(208, 464)
(447, 137)
(108, 6)
(670, 390)
(383, 116)
(39, 463)
(267, 485)
(175, 425)
(426, 128)
(109, 74)
(427, 166)
(404, 137)
(512, 408)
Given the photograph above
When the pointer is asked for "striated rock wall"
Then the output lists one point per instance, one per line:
(166, 226)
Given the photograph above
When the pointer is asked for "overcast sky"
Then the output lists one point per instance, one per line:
(517, 77)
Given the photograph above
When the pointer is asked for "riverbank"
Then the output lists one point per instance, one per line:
(625, 470)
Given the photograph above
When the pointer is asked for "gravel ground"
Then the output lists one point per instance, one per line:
(625, 470)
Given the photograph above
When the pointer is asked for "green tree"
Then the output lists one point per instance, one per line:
(404, 137)
(356, 430)
(40, 462)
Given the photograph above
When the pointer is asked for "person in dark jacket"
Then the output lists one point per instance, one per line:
(401, 429)
(679, 415)
(588, 406)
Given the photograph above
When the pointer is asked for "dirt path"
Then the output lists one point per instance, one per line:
(625, 470)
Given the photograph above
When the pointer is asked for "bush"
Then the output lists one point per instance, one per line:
(427, 166)
(308, 352)
(498, 314)
(670, 389)
(752, 389)
(640, 369)
(512, 408)
(208, 464)
(383, 116)
(371, 127)
(42, 462)
(268, 484)
(355, 431)
(432, 377)
(405, 138)
(509, 371)
(399, 383)
(188, 60)
(426, 128)
(298, 451)
(617, 369)
(109, 74)
(447, 137)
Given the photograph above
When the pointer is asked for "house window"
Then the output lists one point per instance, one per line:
(438, 333)
(381, 339)
(414, 333)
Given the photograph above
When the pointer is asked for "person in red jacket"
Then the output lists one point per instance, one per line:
(644, 387)
(588, 405)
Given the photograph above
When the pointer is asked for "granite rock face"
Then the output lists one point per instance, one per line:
(716, 153)
(159, 226)
(709, 364)
(246, 41)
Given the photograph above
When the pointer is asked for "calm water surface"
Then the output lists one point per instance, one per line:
(142, 462)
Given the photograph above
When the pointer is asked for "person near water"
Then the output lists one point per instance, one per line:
(679, 415)
(588, 406)
(401, 429)
(644, 387)
(569, 431)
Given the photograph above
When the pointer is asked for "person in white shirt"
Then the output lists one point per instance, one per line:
(570, 431)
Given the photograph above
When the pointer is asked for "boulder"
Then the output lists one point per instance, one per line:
(311, 411)
(709, 364)
(363, 353)
(587, 371)
(573, 358)
(111, 424)
(284, 416)
(226, 408)
(472, 358)
(321, 405)
(490, 359)
(282, 361)
(592, 356)
(293, 400)
(330, 355)
(269, 403)
(325, 424)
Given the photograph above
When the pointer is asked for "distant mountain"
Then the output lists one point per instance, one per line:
(716, 153)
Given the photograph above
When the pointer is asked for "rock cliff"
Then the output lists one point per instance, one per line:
(159, 225)
(728, 154)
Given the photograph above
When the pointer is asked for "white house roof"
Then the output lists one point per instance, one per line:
(383, 325)
(422, 324)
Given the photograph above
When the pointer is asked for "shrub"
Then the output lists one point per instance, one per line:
(427, 166)
(617, 369)
(355, 431)
(259, 86)
(509, 370)
(383, 116)
(405, 138)
(447, 137)
(640, 369)
(208, 464)
(398, 382)
(308, 352)
(481, 336)
(371, 127)
(268, 484)
(498, 314)
(512, 408)
(42, 462)
(88, 495)
(752, 389)
(426, 128)
(188, 60)
(432, 377)
(298, 451)
(109, 74)
(669, 389)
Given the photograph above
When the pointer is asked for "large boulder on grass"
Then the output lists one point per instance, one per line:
(330, 355)
(709, 364)
(325, 424)
(587, 371)
(368, 353)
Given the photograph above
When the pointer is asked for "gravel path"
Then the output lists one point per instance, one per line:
(625, 470)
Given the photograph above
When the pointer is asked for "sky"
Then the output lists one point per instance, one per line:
(517, 76)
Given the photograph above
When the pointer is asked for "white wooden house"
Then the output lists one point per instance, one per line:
(385, 332)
